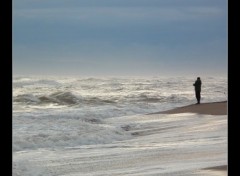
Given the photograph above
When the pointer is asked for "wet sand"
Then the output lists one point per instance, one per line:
(215, 108)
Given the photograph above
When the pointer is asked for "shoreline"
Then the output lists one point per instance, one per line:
(216, 170)
(212, 108)
(220, 168)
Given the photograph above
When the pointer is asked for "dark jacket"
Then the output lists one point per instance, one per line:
(197, 85)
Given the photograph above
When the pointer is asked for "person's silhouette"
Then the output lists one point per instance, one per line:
(197, 86)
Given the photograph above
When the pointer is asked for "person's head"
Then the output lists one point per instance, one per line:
(198, 78)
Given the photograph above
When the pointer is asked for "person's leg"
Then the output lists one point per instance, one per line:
(198, 96)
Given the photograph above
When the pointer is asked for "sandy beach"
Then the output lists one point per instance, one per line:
(215, 108)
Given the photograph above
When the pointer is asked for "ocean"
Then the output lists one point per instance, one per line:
(101, 126)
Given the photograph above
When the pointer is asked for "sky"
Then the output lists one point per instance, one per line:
(120, 37)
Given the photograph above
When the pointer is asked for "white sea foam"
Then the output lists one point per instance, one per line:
(150, 94)
(131, 145)
(96, 126)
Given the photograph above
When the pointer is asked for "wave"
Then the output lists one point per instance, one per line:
(58, 97)
(68, 98)
(61, 98)
(63, 132)
(126, 94)
(148, 98)
(26, 98)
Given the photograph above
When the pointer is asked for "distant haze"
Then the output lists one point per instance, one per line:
(120, 37)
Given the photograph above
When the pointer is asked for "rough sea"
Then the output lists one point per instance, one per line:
(100, 126)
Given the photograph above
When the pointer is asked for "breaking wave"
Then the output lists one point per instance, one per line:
(74, 111)
(61, 98)
(117, 92)
(68, 98)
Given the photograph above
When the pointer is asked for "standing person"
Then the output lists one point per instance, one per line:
(197, 86)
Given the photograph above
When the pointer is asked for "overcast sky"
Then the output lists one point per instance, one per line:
(120, 37)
